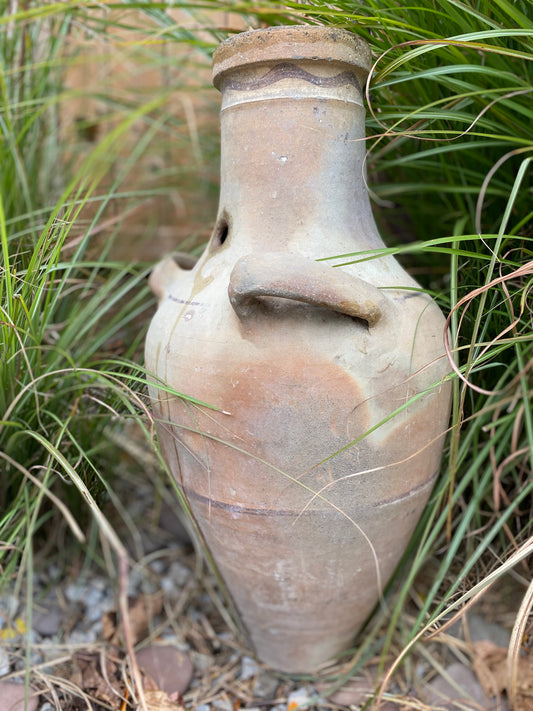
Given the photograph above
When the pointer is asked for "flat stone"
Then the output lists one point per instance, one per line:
(354, 692)
(12, 697)
(223, 705)
(169, 667)
(266, 685)
(459, 685)
(47, 618)
(479, 628)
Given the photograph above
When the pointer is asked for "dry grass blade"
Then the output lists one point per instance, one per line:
(522, 271)
(76, 530)
(123, 563)
(515, 646)
(464, 603)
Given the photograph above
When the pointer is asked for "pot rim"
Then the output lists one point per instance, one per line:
(291, 42)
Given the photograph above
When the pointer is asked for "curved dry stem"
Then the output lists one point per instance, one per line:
(69, 518)
(492, 171)
(390, 131)
(108, 532)
(318, 494)
(515, 645)
(524, 270)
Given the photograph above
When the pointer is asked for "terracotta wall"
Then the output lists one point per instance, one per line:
(110, 76)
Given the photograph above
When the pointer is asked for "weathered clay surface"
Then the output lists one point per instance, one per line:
(308, 478)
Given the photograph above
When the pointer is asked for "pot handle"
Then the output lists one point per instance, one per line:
(165, 271)
(300, 279)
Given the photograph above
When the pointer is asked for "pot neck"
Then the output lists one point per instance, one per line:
(293, 156)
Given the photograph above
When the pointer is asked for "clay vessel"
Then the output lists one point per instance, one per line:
(308, 478)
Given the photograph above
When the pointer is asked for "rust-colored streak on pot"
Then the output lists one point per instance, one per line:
(309, 478)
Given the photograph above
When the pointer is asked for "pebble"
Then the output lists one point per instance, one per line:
(175, 580)
(479, 629)
(223, 705)
(179, 573)
(298, 699)
(47, 617)
(76, 592)
(266, 685)
(158, 566)
(13, 697)
(249, 668)
(168, 666)
(9, 605)
(79, 636)
(5, 666)
(461, 685)
(355, 691)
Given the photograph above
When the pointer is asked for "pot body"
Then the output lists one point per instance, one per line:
(308, 478)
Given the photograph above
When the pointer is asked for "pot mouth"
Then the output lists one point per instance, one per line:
(291, 43)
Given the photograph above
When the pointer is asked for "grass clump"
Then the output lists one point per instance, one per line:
(64, 369)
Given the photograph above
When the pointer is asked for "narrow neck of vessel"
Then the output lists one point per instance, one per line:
(293, 151)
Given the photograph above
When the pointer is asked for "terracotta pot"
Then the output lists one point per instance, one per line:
(308, 479)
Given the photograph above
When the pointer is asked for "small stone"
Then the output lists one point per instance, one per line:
(13, 697)
(47, 618)
(249, 668)
(180, 573)
(169, 667)
(76, 592)
(5, 664)
(202, 662)
(461, 684)
(94, 613)
(47, 706)
(354, 692)
(266, 685)
(223, 705)
(479, 629)
(9, 605)
(203, 707)
(298, 699)
(101, 584)
(83, 636)
(93, 597)
(158, 566)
